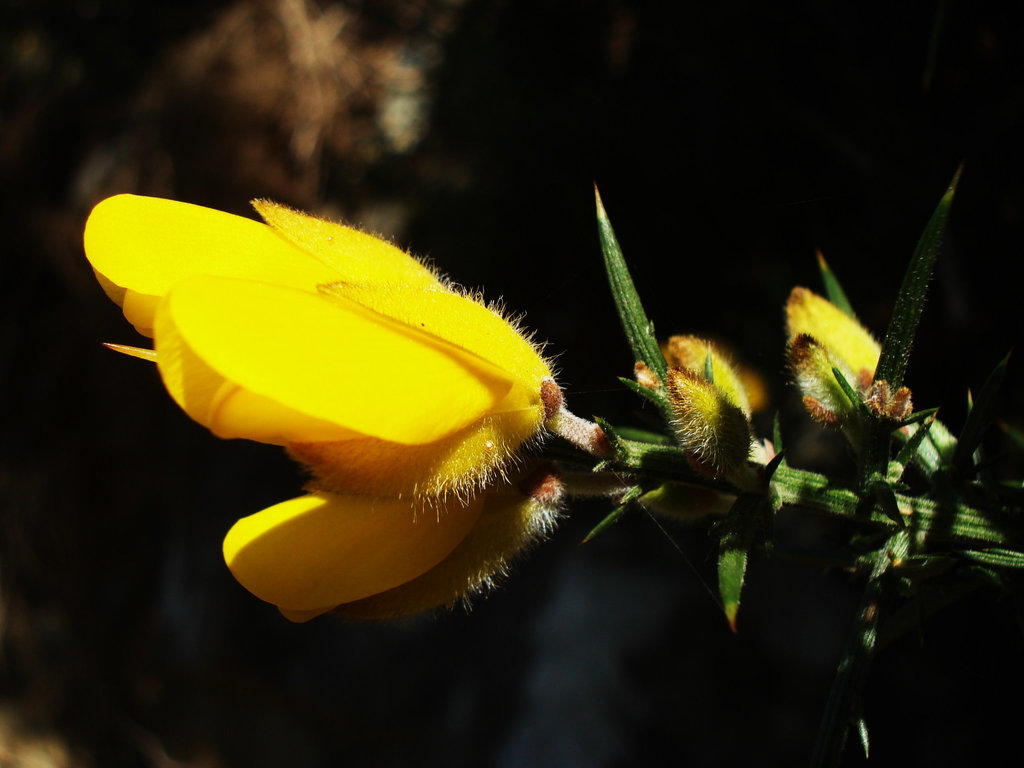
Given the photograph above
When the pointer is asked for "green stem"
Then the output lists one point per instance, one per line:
(927, 519)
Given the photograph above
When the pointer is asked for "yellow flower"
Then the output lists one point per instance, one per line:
(404, 396)
(368, 558)
(308, 334)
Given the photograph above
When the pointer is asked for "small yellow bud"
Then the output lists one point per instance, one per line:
(713, 430)
(691, 353)
(851, 348)
(822, 338)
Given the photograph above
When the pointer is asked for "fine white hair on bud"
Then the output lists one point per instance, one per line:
(714, 431)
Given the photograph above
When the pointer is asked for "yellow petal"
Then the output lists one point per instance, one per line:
(317, 551)
(141, 246)
(508, 524)
(356, 256)
(462, 321)
(329, 360)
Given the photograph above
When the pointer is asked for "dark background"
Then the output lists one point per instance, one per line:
(729, 142)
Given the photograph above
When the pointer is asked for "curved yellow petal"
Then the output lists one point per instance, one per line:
(460, 320)
(141, 246)
(317, 551)
(230, 410)
(356, 256)
(330, 360)
(508, 524)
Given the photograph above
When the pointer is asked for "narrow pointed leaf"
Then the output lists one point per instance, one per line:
(613, 517)
(607, 522)
(892, 364)
(833, 290)
(917, 416)
(773, 503)
(910, 450)
(734, 547)
(862, 731)
(772, 465)
(936, 448)
(855, 399)
(980, 417)
(886, 500)
(639, 330)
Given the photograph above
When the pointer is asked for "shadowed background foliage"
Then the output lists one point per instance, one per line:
(729, 141)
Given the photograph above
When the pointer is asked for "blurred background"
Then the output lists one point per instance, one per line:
(729, 141)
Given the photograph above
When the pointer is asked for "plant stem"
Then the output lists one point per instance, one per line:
(928, 520)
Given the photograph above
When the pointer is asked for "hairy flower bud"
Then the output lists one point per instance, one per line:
(693, 353)
(822, 340)
(714, 431)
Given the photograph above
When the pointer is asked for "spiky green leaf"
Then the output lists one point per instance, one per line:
(639, 329)
(892, 364)
(862, 731)
(910, 449)
(833, 290)
(656, 396)
(737, 536)
(851, 394)
(613, 517)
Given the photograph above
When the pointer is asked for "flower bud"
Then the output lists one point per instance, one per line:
(714, 431)
(848, 344)
(822, 339)
(692, 352)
